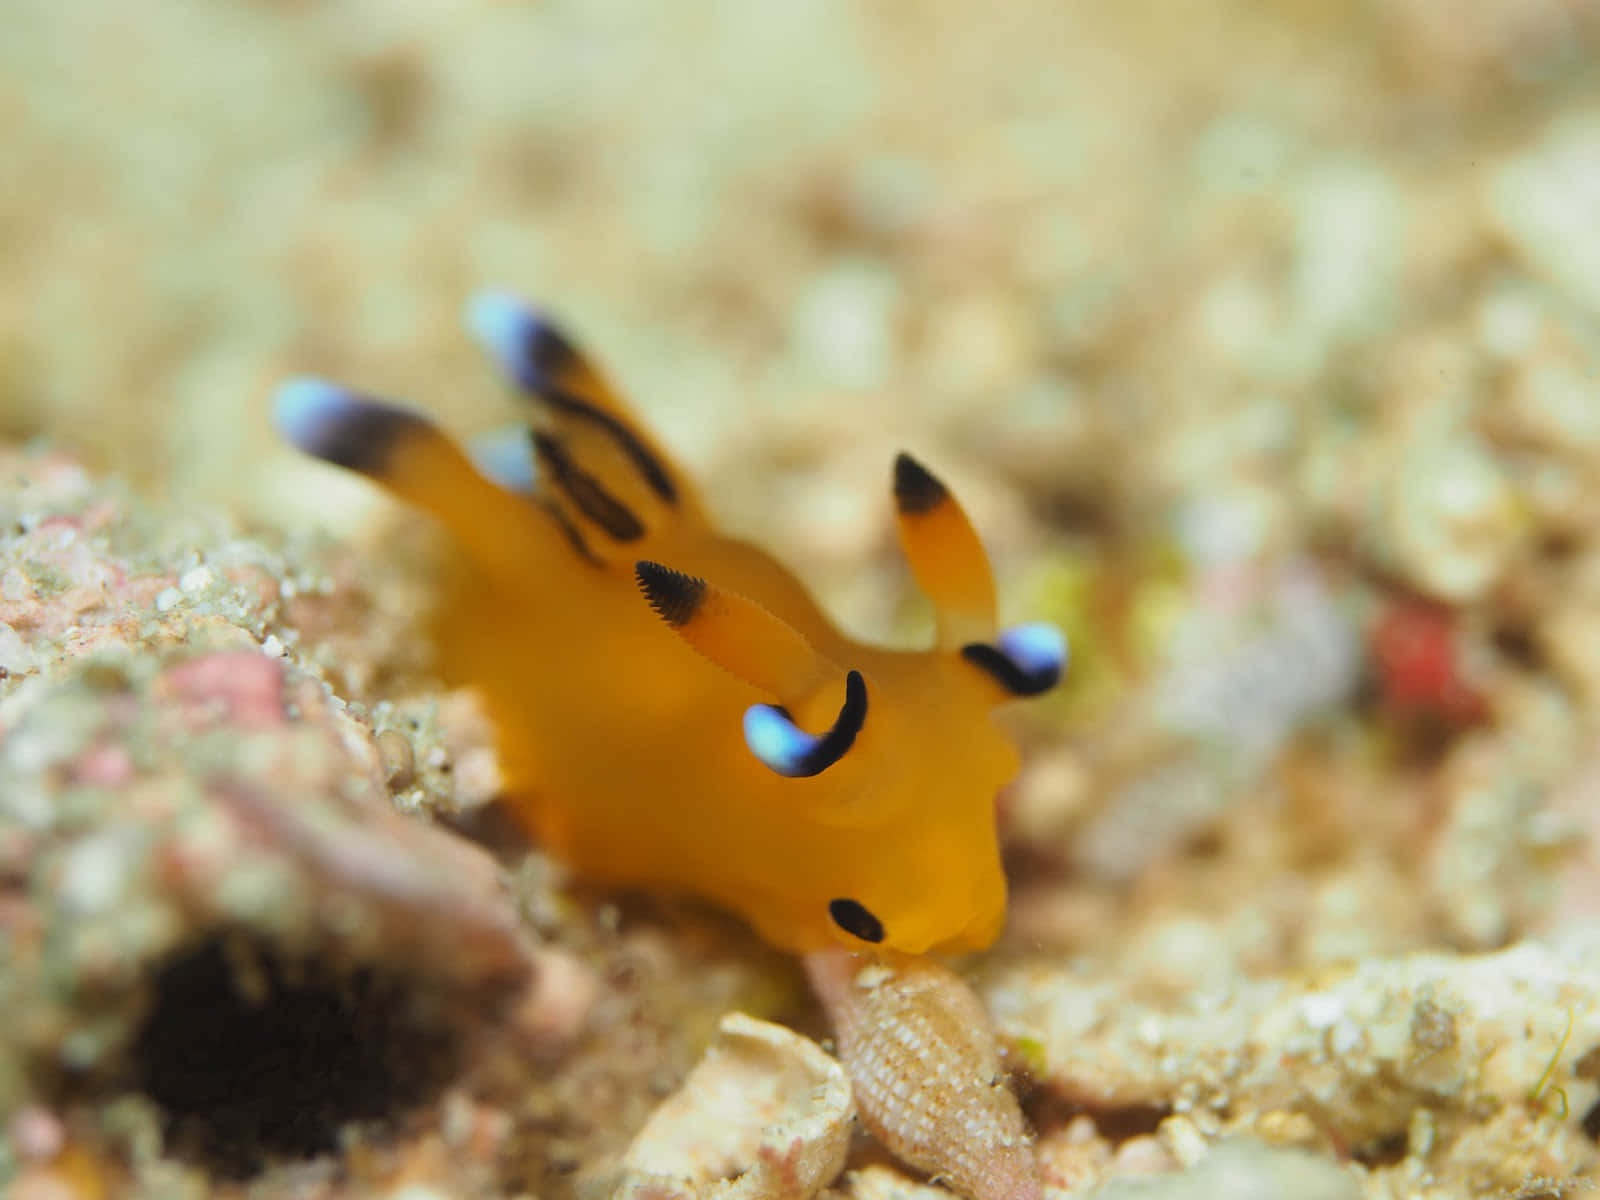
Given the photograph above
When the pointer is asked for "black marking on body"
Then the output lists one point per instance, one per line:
(855, 919)
(586, 492)
(916, 491)
(654, 472)
(571, 532)
(547, 357)
(997, 664)
(676, 597)
(549, 353)
(362, 435)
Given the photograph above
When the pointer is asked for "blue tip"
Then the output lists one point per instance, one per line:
(776, 740)
(304, 409)
(509, 332)
(1037, 647)
(505, 458)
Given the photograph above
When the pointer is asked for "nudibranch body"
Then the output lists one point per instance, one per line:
(652, 681)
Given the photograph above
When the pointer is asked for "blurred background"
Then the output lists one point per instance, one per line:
(1230, 267)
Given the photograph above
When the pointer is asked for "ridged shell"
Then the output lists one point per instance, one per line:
(926, 1072)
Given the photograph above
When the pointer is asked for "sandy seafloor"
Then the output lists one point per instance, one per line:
(1262, 343)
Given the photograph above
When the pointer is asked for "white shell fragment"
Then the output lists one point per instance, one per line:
(766, 1115)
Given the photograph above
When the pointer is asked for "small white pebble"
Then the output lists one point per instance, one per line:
(1142, 1155)
(272, 646)
(875, 975)
(95, 872)
(1081, 1131)
(16, 656)
(1183, 1140)
(196, 579)
(1347, 1039)
(397, 757)
(37, 1134)
(457, 1115)
(1508, 324)
(1322, 1009)
(168, 599)
(557, 1008)
(1419, 1133)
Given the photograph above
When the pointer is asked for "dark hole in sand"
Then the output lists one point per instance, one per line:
(1047, 1111)
(1591, 1122)
(1385, 1151)
(253, 1057)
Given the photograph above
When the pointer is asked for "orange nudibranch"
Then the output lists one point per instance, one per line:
(672, 709)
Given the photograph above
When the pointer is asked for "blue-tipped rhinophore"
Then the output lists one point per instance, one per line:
(1025, 661)
(777, 741)
(527, 348)
(340, 426)
(504, 457)
(1038, 648)
(792, 752)
(305, 409)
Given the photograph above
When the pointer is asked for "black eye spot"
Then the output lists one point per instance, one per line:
(853, 917)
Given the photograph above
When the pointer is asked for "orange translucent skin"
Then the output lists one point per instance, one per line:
(622, 743)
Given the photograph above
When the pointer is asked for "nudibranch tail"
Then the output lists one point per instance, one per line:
(948, 560)
(412, 457)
